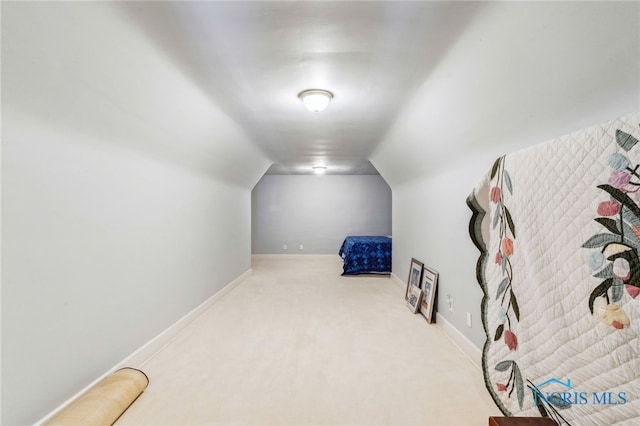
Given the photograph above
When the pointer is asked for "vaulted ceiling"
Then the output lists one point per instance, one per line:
(253, 58)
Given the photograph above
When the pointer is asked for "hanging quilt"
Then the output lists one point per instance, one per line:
(558, 228)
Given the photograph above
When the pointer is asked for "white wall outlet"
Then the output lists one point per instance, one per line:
(284, 247)
(449, 302)
(301, 247)
(468, 319)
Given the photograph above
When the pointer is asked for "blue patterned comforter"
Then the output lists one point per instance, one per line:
(366, 255)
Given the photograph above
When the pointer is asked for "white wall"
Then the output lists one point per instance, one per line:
(125, 196)
(522, 73)
(317, 212)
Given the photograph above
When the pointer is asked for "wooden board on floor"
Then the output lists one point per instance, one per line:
(521, 421)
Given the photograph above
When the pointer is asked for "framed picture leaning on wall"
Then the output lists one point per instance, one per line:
(414, 299)
(415, 275)
(428, 285)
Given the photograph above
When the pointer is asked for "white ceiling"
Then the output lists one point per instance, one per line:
(253, 58)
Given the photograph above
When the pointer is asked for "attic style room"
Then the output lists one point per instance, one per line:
(178, 216)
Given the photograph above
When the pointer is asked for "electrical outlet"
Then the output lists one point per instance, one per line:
(468, 319)
(284, 247)
(450, 302)
(301, 247)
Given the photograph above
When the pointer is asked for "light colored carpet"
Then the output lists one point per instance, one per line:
(298, 344)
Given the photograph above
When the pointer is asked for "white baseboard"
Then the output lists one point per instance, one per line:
(459, 340)
(291, 256)
(398, 281)
(151, 348)
(147, 351)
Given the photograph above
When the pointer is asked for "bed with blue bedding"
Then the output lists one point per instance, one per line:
(366, 255)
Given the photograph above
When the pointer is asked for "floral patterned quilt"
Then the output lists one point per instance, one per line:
(558, 228)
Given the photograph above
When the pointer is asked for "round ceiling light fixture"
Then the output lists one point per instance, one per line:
(319, 169)
(315, 99)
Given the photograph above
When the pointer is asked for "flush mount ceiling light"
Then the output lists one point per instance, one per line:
(315, 99)
(319, 169)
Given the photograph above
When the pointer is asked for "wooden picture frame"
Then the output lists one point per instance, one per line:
(415, 277)
(429, 286)
(415, 298)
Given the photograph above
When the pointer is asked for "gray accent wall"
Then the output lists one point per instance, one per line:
(317, 212)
